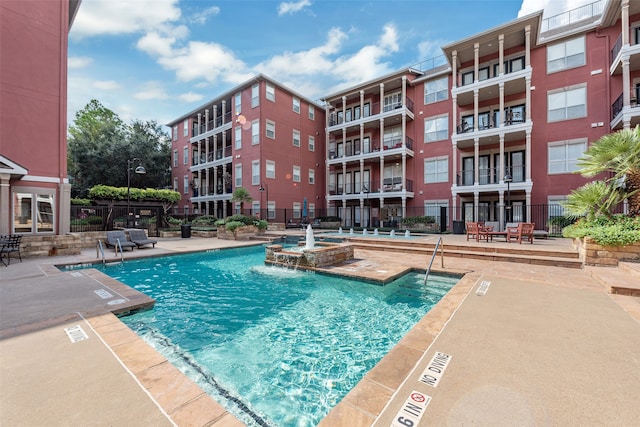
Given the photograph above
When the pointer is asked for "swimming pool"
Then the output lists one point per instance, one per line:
(276, 347)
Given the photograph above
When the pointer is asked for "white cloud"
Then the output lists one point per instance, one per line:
(97, 17)
(79, 61)
(550, 7)
(106, 85)
(202, 16)
(155, 44)
(190, 97)
(292, 7)
(153, 90)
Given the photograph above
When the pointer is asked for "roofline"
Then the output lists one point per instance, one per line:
(246, 83)
(369, 83)
(74, 5)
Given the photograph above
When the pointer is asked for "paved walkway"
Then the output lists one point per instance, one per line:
(543, 345)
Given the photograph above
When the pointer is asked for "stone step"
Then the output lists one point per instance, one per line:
(464, 252)
(621, 280)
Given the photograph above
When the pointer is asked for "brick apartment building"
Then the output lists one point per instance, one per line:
(34, 188)
(492, 133)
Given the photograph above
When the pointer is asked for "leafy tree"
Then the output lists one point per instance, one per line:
(619, 154)
(241, 195)
(593, 199)
(100, 144)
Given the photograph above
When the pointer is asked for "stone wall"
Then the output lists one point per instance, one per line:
(597, 255)
(241, 233)
(65, 244)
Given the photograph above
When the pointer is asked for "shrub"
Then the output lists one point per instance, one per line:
(329, 218)
(174, 221)
(204, 220)
(619, 230)
(413, 220)
(95, 220)
(81, 202)
(232, 225)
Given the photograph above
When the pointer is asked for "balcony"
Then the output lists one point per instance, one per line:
(620, 113)
(368, 112)
(213, 124)
(388, 187)
(369, 149)
(488, 176)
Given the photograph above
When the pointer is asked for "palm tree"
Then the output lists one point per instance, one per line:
(618, 153)
(593, 199)
(241, 195)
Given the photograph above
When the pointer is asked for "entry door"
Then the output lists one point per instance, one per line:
(467, 171)
(467, 208)
(483, 169)
(517, 166)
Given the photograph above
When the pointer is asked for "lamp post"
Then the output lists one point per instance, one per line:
(508, 179)
(140, 170)
(265, 189)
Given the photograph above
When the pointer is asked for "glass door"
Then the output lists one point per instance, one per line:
(467, 171)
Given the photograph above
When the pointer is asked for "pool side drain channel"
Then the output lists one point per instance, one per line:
(483, 288)
(76, 334)
(412, 410)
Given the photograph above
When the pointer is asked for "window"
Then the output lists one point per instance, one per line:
(175, 132)
(185, 155)
(185, 184)
(271, 210)
(483, 73)
(392, 137)
(255, 132)
(436, 169)
(175, 184)
(367, 110)
(296, 105)
(238, 137)
(436, 90)
(567, 104)
(392, 102)
(568, 54)
(356, 112)
(312, 143)
(296, 138)
(270, 171)
(175, 158)
(436, 128)
(33, 212)
(556, 207)
(312, 210)
(238, 102)
(238, 175)
(563, 155)
(271, 92)
(185, 127)
(432, 208)
(312, 112)
(255, 172)
(296, 210)
(312, 176)
(296, 173)
(270, 129)
(467, 78)
(255, 95)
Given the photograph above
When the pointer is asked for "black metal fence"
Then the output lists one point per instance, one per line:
(105, 218)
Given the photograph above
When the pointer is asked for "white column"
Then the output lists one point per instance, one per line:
(527, 155)
(476, 161)
(501, 165)
(528, 99)
(625, 22)
(454, 69)
(224, 110)
(476, 61)
(5, 203)
(501, 54)
(527, 45)
(454, 163)
(502, 112)
(476, 97)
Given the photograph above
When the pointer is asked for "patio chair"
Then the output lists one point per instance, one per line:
(8, 245)
(114, 236)
(479, 231)
(523, 230)
(139, 237)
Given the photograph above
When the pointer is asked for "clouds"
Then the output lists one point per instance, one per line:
(292, 7)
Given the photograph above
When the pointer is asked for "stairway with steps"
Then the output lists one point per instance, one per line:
(514, 253)
(621, 280)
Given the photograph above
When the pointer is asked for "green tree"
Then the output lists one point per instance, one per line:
(619, 154)
(593, 199)
(100, 144)
(241, 195)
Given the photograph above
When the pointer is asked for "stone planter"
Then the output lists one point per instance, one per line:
(330, 224)
(245, 232)
(593, 254)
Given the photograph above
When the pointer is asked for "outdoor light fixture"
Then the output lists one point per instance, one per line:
(140, 170)
(265, 189)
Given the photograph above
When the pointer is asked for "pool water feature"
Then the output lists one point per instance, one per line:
(274, 346)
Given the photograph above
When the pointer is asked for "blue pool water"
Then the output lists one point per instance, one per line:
(276, 347)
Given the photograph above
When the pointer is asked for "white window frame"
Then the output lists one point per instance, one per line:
(238, 103)
(175, 184)
(566, 54)
(270, 169)
(566, 164)
(270, 92)
(295, 173)
(270, 129)
(185, 127)
(432, 172)
(564, 101)
(436, 90)
(175, 132)
(175, 158)
(238, 137)
(392, 101)
(185, 184)
(435, 122)
(312, 176)
(297, 210)
(312, 143)
(555, 206)
(185, 154)
(432, 208)
(255, 95)
(296, 138)
(295, 104)
(255, 132)
(312, 112)
(255, 172)
(237, 176)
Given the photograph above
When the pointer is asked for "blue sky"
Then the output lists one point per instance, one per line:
(159, 59)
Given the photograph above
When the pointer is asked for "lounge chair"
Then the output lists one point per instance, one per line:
(8, 245)
(523, 230)
(139, 237)
(114, 236)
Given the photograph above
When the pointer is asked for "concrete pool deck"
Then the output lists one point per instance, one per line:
(543, 345)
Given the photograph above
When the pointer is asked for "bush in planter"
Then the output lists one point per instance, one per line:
(618, 230)
(95, 220)
(204, 220)
(234, 221)
(413, 220)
